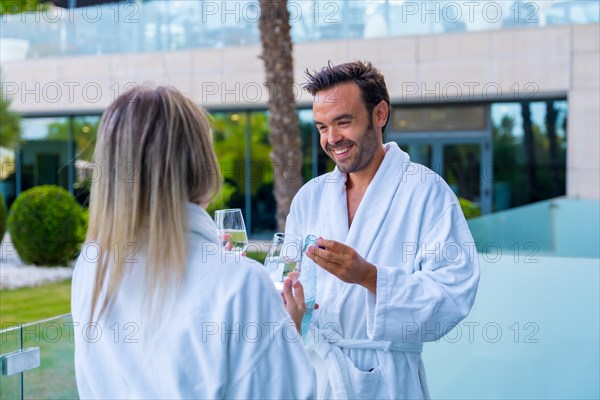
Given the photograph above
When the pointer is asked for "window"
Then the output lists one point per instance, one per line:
(44, 153)
(530, 148)
(85, 130)
(439, 118)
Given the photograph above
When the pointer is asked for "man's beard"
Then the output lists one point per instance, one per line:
(364, 152)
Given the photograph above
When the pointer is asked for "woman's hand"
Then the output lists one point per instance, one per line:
(294, 300)
(226, 237)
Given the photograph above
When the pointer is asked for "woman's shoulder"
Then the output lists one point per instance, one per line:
(236, 294)
(229, 275)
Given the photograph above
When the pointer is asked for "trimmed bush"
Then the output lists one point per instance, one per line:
(2, 217)
(468, 208)
(46, 225)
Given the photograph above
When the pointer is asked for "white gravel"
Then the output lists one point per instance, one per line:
(15, 274)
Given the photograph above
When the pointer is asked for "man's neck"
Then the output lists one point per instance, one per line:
(358, 182)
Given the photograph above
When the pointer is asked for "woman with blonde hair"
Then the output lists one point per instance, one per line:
(159, 310)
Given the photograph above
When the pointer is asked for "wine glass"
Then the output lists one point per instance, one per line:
(285, 254)
(232, 230)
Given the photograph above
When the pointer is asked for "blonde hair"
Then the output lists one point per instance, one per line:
(154, 150)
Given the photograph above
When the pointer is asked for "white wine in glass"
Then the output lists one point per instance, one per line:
(284, 257)
(232, 230)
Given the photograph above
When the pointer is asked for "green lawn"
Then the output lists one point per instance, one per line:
(19, 306)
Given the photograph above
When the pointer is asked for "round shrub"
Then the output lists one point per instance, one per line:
(46, 226)
(2, 217)
(468, 208)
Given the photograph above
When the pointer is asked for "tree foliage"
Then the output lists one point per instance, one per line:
(19, 6)
(10, 126)
(229, 133)
(542, 156)
(232, 147)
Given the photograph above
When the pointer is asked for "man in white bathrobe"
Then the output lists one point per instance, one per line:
(398, 263)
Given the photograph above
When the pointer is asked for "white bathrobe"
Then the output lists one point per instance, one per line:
(410, 226)
(226, 333)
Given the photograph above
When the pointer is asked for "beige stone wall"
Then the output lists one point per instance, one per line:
(509, 64)
(583, 157)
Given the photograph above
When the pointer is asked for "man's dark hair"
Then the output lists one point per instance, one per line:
(368, 78)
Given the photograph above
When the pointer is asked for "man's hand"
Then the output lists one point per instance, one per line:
(345, 263)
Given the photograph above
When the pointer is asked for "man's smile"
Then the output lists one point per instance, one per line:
(342, 151)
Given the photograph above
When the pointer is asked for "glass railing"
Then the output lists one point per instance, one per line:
(533, 316)
(54, 378)
(159, 25)
(559, 227)
(532, 333)
(11, 386)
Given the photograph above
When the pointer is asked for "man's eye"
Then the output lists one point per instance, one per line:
(344, 123)
(321, 128)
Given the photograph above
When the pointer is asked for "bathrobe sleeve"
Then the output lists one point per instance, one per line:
(267, 359)
(426, 304)
(280, 372)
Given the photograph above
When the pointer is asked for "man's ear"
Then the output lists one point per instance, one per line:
(381, 112)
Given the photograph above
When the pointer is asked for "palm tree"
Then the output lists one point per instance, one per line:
(551, 116)
(286, 154)
(530, 163)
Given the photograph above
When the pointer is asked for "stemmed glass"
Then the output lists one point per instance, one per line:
(285, 256)
(232, 230)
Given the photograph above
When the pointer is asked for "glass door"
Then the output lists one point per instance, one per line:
(465, 165)
(462, 170)
(455, 141)
(420, 153)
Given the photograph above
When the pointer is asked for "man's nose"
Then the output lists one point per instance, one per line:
(334, 136)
